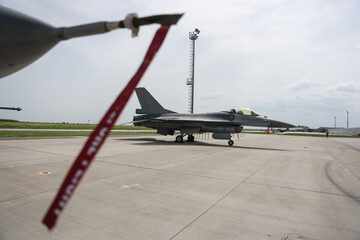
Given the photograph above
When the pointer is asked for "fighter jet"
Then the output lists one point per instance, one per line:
(24, 39)
(221, 124)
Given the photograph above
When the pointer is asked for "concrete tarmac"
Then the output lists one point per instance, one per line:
(148, 187)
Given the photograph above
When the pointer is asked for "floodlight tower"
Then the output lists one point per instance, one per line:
(190, 81)
(347, 119)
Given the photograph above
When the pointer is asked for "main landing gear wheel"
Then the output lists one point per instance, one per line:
(179, 139)
(231, 142)
(191, 138)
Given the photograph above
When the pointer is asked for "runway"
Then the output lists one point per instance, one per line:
(148, 187)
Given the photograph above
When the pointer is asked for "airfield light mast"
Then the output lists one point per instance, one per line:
(347, 119)
(190, 81)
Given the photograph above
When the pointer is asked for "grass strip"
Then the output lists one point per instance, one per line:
(10, 134)
(34, 125)
(319, 135)
(302, 134)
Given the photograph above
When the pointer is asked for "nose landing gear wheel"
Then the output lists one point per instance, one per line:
(179, 139)
(231, 142)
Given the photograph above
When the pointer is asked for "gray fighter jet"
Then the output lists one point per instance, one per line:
(221, 124)
(24, 39)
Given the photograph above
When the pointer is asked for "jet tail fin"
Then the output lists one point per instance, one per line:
(148, 103)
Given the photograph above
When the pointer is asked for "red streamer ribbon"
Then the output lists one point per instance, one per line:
(99, 135)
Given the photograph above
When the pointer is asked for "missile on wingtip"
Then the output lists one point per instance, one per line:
(24, 39)
(11, 108)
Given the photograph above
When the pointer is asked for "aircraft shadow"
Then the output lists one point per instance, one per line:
(154, 141)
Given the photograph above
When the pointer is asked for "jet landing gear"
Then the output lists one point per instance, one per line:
(180, 138)
(231, 142)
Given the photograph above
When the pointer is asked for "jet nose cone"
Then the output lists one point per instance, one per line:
(278, 124)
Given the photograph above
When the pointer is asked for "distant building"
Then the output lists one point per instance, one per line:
(345, 131)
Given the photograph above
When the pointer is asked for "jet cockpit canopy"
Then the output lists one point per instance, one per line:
(244, 111)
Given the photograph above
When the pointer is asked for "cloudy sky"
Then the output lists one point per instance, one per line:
(295, 61)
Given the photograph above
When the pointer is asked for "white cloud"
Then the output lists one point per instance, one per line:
(357, 45)
(249, 53)
(347, 87)
(303, 84)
